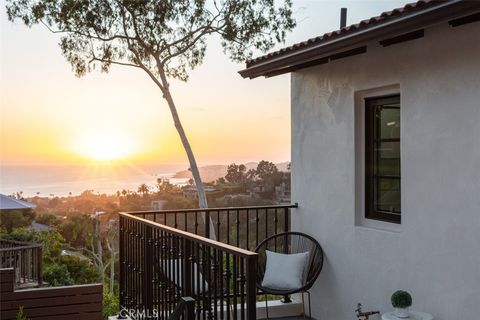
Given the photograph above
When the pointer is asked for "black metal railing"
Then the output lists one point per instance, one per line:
(26, 260)
(185, 309)
(160, 264)
(202, 253)
(243, 227)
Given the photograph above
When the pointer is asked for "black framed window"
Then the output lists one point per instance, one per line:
(382, 159)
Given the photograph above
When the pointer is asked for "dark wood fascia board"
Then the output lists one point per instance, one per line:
(322, 60)
(348, 53)
(403, 38)
(464, 20)
(446, 11)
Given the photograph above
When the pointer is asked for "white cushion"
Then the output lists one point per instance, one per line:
(284, 271)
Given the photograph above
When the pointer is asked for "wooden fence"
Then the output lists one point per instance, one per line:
(55, 303)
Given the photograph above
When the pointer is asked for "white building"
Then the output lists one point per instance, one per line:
(386, 158)
(157, 204)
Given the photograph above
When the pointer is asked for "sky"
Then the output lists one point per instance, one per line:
(48, 116)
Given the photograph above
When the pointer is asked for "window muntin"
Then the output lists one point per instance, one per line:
(382, 159)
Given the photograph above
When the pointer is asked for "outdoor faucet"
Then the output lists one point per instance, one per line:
(365, 314)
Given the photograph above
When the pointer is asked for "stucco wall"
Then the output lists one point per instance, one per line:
(435, 254)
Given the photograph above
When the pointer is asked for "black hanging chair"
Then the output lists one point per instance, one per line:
(291, 243)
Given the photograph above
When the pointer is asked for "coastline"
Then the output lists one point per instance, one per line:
(61, 180)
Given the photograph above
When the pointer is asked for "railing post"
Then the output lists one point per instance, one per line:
(40, 266)
(207, 224)
(148, 271)
(187, 267)
(251, 290)
(190, 312)
(122, 284)
(286, 228)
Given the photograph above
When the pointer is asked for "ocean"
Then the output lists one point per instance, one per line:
(61, 180)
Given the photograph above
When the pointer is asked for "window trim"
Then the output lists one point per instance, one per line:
(370, 208)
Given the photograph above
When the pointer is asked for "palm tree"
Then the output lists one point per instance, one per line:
(143, 189)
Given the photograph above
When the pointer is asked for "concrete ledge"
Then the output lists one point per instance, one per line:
(276, 309)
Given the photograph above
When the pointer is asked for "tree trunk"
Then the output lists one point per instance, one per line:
(98, 241)
(112, 271)
(202, 197)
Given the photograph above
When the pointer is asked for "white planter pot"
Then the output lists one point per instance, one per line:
(401, 313)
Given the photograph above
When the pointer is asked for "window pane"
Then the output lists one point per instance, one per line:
(389, 117)
(388, 160)
(382, 158)
(388, 195)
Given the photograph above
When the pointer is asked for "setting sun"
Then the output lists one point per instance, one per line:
(104, 146)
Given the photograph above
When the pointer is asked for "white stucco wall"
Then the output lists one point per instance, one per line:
(435, 254)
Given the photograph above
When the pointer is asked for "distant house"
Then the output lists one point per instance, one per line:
(97, 213)
(257, 188)
(157, 204)
(386, 157)
(70, 253)
(282, 192)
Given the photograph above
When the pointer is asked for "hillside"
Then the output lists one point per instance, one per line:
(213, 172)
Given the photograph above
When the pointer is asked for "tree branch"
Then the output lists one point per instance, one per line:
(86, 35)
(114, 62)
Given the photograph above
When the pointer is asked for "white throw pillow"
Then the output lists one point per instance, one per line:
(284, 271)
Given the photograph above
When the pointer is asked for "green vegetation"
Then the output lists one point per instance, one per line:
(58, 270)
(57, 275)
(21, 314)
(48, 219)
(11, 219)
(264, 178)
(111, 303)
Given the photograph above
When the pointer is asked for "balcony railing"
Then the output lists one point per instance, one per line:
(25, 259)
(242, 227)
(201, 253)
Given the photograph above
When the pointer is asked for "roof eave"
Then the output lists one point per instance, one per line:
(294, 60)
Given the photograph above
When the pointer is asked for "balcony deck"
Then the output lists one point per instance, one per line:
(206, 254)
(25, 258)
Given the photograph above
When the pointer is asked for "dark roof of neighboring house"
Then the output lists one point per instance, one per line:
(394, 26)
(10, 203)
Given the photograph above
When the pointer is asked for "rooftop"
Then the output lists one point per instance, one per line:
(389, 27)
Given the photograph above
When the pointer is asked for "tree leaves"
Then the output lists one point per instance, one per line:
(162, 37)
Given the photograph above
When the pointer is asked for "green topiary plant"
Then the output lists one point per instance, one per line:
(401, 299)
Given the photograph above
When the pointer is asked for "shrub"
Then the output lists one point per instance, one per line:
(111, 304)
(57, 275)
(80, 269)
(47, 218)
(401, 299)
(21, 314)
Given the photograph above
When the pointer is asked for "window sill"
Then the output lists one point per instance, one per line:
(370, 224)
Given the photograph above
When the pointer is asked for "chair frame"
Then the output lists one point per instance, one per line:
(308, 283)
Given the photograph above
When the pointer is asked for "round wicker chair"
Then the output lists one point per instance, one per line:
(291, 243)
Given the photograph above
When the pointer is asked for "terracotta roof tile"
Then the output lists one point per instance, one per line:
(383, 17)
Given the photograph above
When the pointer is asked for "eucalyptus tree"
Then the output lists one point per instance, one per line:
(164, 38)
